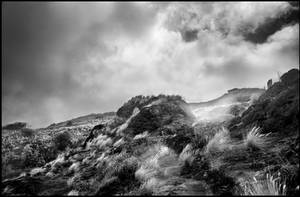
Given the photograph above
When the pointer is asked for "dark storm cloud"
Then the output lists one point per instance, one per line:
(271, 25)
(189, 35)
(45, 48)
(31, 35)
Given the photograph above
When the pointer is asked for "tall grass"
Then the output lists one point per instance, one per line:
(256, 139)
(157, 165)
(219, 142)
(268, 185)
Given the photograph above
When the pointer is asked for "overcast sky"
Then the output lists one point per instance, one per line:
(63, 60)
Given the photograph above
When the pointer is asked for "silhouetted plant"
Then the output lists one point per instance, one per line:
(69, 123)
(62, 140)
(27, 132)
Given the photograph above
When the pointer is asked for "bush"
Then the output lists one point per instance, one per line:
(26, 132)
(144, 121)
(31, 157)
(69, 123)
(178, 142)
(62, 140)
(199, 169)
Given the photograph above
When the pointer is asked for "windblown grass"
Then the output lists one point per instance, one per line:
(219, 142)
(268, 185)
(256, 139)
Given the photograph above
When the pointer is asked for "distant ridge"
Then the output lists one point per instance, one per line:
(82, 119)
(239, 95)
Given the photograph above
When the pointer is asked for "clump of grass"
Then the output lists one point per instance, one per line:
(157, 164)
(102, 141)
(268, 185)
(73, 193)
(150, 166)
(141, 135)
(151, 185)
(255, 139)
(119, 175)
(187, 154)
(219, 143)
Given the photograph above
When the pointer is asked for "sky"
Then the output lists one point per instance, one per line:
(64, 60)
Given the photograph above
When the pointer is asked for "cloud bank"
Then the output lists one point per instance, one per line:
(62, 60)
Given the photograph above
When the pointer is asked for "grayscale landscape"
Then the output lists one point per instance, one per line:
(150, 98)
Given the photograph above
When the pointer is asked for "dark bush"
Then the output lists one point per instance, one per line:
(178, 142)
(200, 169)
(62, 140)
(140, 101)
(32, 157)
(27, 132)
(144, 121)
(69, 123)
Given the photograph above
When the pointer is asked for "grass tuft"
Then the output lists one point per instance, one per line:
(268, 185)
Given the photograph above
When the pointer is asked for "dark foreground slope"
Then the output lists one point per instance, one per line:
(276, 116)
(276, 110)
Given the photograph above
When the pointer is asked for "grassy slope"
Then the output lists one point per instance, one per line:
(152, 147)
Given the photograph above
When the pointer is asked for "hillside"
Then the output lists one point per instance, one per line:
(225, 107)
(232, 95)
(91, 118)
(15, 126)
(245, 142)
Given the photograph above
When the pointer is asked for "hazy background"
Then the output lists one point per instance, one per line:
(63, 60)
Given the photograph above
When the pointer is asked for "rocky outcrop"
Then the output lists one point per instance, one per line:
(154, 113)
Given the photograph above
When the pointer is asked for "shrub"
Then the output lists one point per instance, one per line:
(178, 142)
(199, 169)
(69, 123)
(144, 121)
(199, 142)
(62, 140)
(27, 132)
(31, 157)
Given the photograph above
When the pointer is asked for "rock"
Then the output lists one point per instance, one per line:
(50, 174)
(37, 171)
(269, 83)
(73, 193)
(291, 77)
(74, 167)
